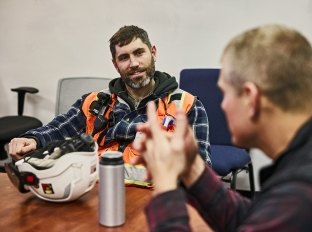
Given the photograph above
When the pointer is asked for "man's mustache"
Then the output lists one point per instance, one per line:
(133, 71)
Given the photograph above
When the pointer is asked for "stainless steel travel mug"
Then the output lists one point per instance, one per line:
(111, 189)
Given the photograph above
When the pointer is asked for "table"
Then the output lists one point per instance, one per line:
(26, 212)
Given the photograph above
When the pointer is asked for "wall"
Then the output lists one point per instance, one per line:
(44, 40)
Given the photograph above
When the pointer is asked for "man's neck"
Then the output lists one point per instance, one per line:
(280, 131)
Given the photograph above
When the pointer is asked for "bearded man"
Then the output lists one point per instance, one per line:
(112, 114)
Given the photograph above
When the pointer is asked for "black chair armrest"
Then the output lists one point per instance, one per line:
(21, 91)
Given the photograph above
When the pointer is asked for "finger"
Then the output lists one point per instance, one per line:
(26, 149)
(137, 160)
(181, 124)
(21, 147)
(139, 143)
(180, 131)
(11, 151)
(12, 146)
(156, 131)
(169, 135)
(148, 176)
(151, 112)
(144, 128)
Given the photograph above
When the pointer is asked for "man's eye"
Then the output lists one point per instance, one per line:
(139, 53)
(122, 58)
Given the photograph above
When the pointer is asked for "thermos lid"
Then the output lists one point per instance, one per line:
(111, 158)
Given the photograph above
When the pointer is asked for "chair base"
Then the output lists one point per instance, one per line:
(233, 179)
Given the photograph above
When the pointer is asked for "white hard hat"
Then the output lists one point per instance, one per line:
(67, 178)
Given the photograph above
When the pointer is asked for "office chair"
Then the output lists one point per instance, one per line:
(14, 125)
(225, 157)
(69, 89)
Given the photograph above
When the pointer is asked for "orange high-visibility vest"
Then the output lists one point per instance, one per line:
(135, 174)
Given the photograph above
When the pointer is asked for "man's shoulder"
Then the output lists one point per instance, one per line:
(291, 174)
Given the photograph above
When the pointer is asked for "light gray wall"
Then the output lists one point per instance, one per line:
(44, 40)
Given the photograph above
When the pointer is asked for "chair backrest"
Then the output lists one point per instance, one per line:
(203, 84)
(72, 88)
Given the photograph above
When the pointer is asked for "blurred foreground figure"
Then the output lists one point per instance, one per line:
(266, 79)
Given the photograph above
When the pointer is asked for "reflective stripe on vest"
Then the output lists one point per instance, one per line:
(136, 174)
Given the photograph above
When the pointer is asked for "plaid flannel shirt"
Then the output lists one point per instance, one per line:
(121, 129)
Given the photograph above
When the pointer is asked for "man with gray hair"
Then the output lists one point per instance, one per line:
(266, 79)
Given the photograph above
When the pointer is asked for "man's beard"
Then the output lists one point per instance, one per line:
(144, 81)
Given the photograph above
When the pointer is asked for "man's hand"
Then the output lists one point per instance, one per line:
(167, 156)
(20, 146)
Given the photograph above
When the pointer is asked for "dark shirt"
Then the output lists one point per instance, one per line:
(284, 203)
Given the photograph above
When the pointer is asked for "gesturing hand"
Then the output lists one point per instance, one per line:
(167, 156)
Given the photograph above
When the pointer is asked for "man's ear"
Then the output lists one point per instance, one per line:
(252, 95)
(154, 52)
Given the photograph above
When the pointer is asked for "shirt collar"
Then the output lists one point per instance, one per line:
(303, 134)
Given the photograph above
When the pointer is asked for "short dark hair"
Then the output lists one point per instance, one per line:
(125, 35)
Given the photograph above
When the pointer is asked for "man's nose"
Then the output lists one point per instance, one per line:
(133, 61)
